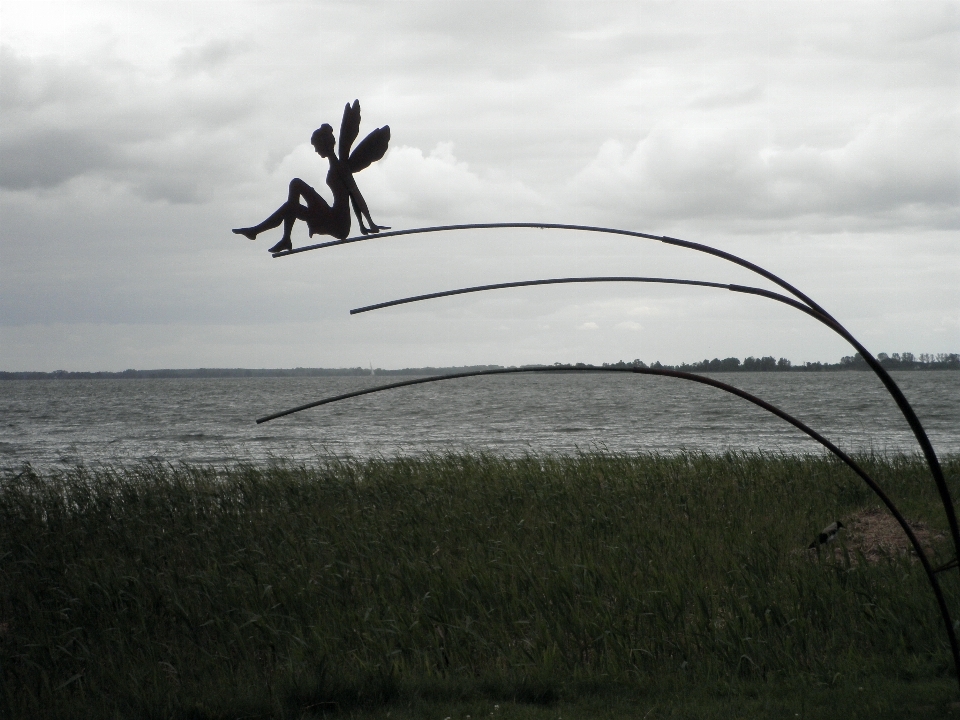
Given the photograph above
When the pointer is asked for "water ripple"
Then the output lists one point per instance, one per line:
(62, 422)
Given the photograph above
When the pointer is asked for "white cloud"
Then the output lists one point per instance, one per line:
(440, 188)
(898, 171)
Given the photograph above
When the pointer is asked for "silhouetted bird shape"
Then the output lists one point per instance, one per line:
(829, 533)
(321, 218)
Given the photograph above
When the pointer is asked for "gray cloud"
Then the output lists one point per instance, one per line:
(164, 138)
(31, 84)
(49, 158)
(899, 170)
(727, 97)
(208, 57)
(131, 144)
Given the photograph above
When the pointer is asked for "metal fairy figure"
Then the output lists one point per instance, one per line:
(321, 218)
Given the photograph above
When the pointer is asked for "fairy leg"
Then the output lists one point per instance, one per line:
(316, 213)
(288, 213)
(271, 222)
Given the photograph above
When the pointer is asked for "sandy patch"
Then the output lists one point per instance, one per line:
(875, 534)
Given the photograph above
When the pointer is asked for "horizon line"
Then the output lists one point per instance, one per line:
(727, 365)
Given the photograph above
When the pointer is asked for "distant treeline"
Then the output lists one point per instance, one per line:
(896, 361)
(232, 373)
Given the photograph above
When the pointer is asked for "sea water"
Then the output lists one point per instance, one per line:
(58, 423)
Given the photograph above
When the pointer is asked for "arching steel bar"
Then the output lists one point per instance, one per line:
(825, 319)
(582, 228)
(703, 380)
(905, 408)
(574, 280)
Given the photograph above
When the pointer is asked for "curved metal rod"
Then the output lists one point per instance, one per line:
(574, 280)
(703, 380)
(905, 408)
(583, 228)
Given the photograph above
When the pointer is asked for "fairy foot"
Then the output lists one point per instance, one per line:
(281, 246)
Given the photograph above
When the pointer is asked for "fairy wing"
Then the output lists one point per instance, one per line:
(371, 148)
(349, 128)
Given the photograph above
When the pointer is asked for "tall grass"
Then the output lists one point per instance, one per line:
(190, 591)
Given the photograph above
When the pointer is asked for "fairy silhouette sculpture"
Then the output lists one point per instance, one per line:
(321, 218)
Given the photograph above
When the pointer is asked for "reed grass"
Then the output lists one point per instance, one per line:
(361, 587)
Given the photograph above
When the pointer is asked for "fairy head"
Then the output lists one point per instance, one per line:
(323, 140)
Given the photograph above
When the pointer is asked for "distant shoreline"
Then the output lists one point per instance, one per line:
(906, 361)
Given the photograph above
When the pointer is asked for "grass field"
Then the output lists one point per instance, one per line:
(472, 586)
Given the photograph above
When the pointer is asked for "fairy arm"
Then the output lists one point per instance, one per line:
(359, 214)
(360, 208)
(372, 148)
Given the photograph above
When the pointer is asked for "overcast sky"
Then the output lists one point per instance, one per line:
(818, 139)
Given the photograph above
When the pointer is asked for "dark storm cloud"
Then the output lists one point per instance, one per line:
(163, 139)
(48, 158)
(37, 151)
